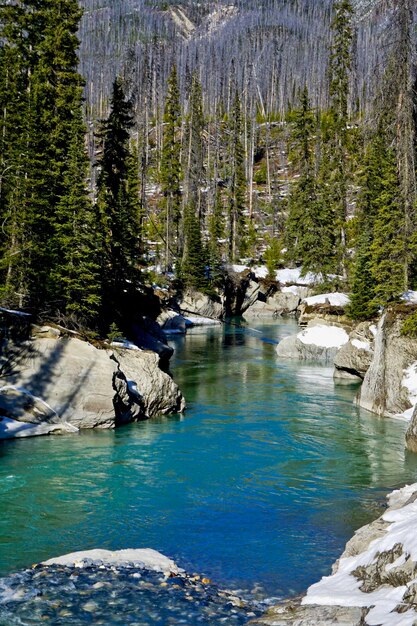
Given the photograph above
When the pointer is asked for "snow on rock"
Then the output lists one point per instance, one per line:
(382, 576)
(146, 558)
(324, 336)
(196, 320)
(410, 383)
(291, 276)
(361, 345)
(123, 343)
(334, 299)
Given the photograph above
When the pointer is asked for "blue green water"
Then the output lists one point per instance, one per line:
(260, 484)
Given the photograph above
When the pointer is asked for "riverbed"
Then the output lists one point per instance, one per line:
(258, 486)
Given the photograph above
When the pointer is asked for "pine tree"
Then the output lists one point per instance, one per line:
(194, 149)
(336, 149)
(194, 265)
(117, 203)
(237, 195)
(171, 167)
(309, 230)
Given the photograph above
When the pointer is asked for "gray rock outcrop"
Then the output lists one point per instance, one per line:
(197, 303)
(322, 346)
(148, 335)
(158, 392)
(277, 304)
(172, 322)
(382, 390)
(64, 384)
(353, 359)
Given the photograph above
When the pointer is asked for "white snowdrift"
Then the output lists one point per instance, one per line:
(324, 336)
(410, 383)
(335, 299)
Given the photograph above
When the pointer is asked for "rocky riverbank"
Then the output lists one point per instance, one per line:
(140, 587)
(56, 383)
(373, 583)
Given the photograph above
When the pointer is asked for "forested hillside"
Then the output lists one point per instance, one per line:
(268, 47)
(275, 131)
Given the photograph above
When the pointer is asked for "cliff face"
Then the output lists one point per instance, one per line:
(383, 390)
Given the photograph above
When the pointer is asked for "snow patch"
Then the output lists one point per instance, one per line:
(410, 383)
(123, 343)
(335, 299)
(410, 296)
(201, 321)
(21, 313)
(361, 345)
(324, 336)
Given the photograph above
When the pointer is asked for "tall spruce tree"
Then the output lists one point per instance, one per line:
(237, 195)
(171, 168)
(309, 229)
(335, 150)
(118, 204)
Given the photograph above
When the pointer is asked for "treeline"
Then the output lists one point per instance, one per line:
(64, 254)
(187, 185)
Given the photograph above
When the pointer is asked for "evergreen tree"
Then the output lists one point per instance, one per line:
(171, 166)
(194, 149)
(309, 231)
(194, 265)
(118, 203)
(237, 197)
(336, 148)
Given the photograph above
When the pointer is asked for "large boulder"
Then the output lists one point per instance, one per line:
(172, 322)
(196, 303)
(353, 359)
(241, 291)
(65, 384)
(76, 380)
(277, 304)
(319, 342)
(148, 335)
(385, 389)
(158, 392)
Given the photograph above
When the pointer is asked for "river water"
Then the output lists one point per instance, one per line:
(258, 485)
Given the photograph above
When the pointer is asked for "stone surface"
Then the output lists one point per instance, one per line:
(148, 335)
(277, 304)
(294, 348)
(73, 377)
(376, 572)
(241, 291)
(146, 557)
(353, 359)
(325, 313)
(382, 390)
(172, 322)
(411, 434)
(196, 303)
(60, 385)
(159, 394)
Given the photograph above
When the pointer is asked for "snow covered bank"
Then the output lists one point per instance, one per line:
(375, 581)
(334, 299)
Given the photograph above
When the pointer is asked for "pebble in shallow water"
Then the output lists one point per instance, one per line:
(108, 595)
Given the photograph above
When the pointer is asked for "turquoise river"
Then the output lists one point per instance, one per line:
(258, 486)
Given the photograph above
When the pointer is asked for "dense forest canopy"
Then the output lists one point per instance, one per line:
(281, 132)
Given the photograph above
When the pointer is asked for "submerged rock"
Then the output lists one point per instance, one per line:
(125, 587)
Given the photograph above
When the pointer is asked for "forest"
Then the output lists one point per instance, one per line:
(149, 142)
